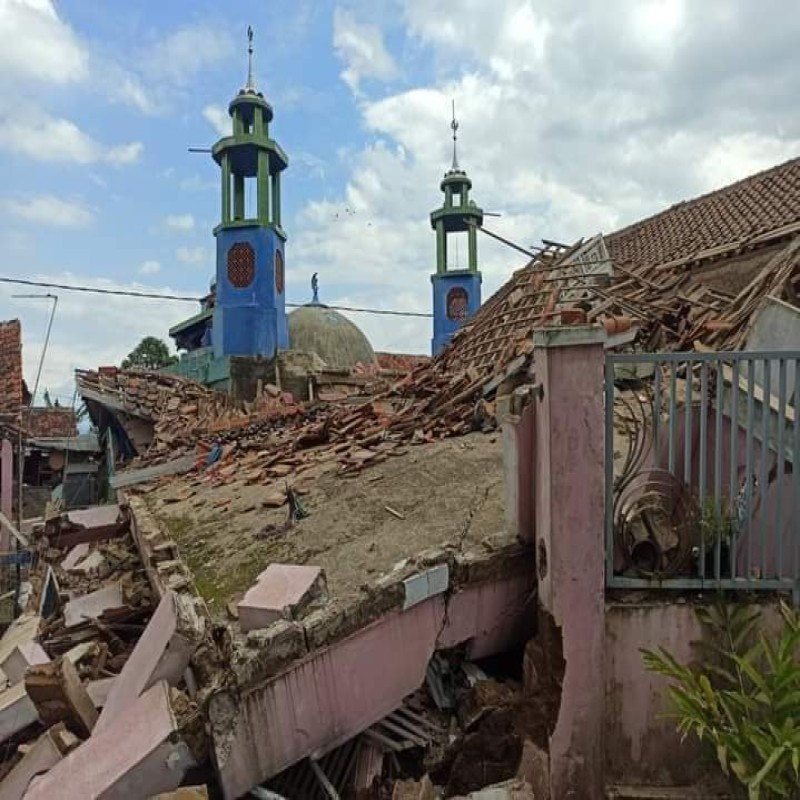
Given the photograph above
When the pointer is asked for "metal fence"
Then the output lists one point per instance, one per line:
(702, 476)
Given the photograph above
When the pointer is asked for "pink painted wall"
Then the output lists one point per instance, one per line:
(642, 745)
(6, 488)
(339, 691)
(569, 494)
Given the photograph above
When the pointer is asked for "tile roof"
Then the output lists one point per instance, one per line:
(736, 214)
(10, 367)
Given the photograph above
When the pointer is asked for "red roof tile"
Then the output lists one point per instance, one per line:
(762, 203)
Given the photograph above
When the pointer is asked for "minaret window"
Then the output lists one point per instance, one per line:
(457, 304)
(279, 272)
(241, 265)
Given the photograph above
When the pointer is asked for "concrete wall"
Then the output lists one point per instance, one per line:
(642, 746)
(568, 477)
(338, 691)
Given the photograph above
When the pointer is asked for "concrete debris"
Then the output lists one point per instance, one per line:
(23, 655)
(282, 591)
(59, 696)
(94, 564)
(184, 793)
(78, 553)
(414, 790)
(70, 528)
(139, 755)
(99, 690)
(93, 605)
(508, 790)
(17, 711)
(162, 653)
(41, 756)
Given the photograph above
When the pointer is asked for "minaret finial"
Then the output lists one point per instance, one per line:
(250, 85)
(454, 126)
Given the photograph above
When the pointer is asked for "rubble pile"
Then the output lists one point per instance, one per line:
(86, 603)
(668, 304)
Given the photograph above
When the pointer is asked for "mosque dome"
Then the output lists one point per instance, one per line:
(315, 328)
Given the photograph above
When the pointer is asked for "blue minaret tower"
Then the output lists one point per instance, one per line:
(250, 311)
(456, 292)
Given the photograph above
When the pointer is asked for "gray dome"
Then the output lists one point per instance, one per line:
(337, 341)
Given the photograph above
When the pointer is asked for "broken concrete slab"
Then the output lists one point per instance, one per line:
(86, 525)
(24, 629)
(42, 756)
(92, 605)
(99, 690)
(185, 793)
(515, 789)
(17, 711)
(94, 564)
(162, 653)
(24, 655)
(82, 651)
(281, 591)
(78, 553)
(414, 790)
(59, 696)
(140, 754)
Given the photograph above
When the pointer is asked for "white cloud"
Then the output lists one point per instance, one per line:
(38, 45)
(129, 89)
(195, 183)
(44, 138)
(219, 118)
(150, 268)
(124, 321)
(575, 118)
(361, 48)
(180, 222)
(49, 210)
(194, 255)
(184, 53)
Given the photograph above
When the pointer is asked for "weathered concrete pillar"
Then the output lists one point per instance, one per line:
(518, 451)
(568, 511)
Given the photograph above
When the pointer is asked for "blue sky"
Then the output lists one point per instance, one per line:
(575, 118)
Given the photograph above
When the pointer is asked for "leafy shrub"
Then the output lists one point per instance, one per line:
(744, 699)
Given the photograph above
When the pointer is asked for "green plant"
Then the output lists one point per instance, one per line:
(744, 699)
(715, 525)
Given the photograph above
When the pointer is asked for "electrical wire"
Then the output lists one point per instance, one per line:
(187, 299)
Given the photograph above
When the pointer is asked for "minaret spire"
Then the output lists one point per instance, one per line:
(250, 87)
(454, 127)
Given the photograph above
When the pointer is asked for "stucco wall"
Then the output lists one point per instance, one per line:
(642, 746)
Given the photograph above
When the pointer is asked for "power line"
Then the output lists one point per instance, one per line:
(187, 299)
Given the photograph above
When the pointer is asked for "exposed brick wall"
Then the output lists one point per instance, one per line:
(10, 367)
(49, 422)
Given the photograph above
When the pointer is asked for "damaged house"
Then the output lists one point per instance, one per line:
(54, 454)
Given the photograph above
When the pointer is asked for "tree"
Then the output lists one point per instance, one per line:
(150, 353)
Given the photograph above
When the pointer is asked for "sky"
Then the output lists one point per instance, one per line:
(576, 117)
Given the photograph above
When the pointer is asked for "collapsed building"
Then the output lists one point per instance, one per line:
(327, 579)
